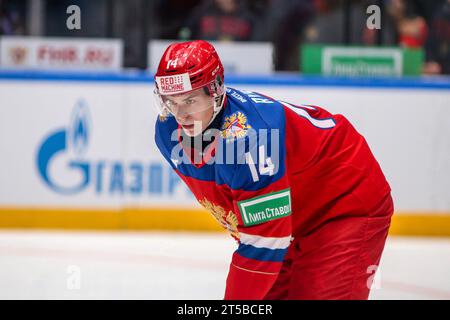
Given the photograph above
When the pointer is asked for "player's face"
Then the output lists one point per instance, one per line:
(192, 110)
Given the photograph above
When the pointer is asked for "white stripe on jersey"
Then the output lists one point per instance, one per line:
(265, 242)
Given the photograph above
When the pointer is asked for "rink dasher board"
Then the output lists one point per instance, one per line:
(128, 185)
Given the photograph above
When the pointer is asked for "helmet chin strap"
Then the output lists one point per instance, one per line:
(217, 107)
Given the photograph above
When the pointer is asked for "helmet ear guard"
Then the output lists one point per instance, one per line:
(217, 91)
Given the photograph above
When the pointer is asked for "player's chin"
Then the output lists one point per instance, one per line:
(191, 131)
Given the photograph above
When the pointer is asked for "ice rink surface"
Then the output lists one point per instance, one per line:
(162, 265)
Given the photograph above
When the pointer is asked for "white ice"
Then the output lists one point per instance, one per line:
(162, 265)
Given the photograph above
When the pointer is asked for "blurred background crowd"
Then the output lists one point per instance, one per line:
(286, 23)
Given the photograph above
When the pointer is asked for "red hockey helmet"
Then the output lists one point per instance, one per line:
(189, 66)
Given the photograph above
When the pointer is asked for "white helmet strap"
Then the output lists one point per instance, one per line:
(218, 104)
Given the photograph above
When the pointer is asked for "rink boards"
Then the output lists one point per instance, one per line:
(77, 150)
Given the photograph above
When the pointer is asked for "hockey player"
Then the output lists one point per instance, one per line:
(295, 185)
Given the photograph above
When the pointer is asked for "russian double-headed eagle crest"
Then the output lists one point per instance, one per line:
(228, 220)
(235, 126)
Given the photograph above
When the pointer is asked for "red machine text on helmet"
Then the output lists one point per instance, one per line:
(188, 66)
